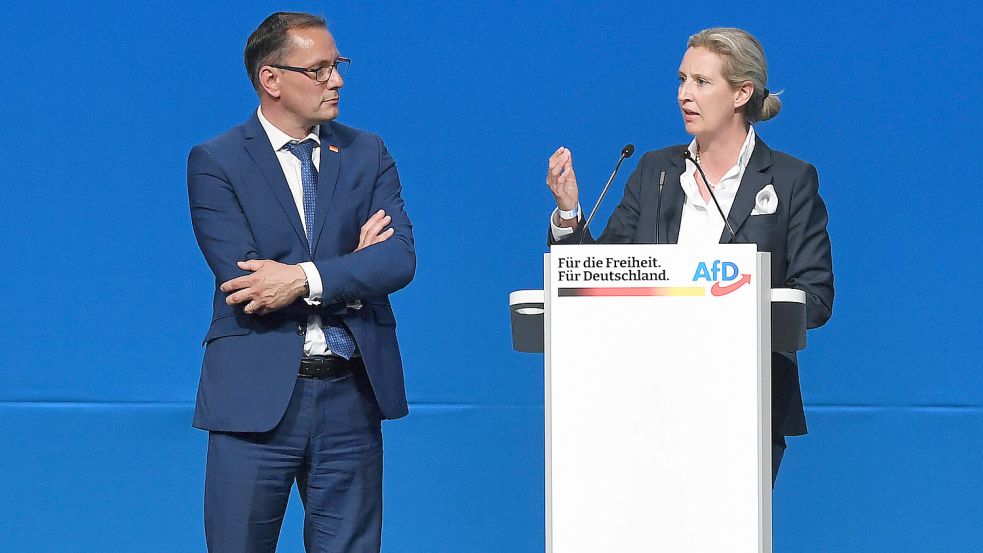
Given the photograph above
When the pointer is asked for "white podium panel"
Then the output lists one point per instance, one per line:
(658, 423)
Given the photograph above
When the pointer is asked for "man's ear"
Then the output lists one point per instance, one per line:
(269, 81)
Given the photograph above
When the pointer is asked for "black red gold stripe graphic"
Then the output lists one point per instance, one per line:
(664, 291)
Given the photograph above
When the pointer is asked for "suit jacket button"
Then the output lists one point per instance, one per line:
(301, 330)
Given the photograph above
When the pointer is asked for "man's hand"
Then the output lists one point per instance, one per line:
(562, 180)
(271, 286)
(374, 230)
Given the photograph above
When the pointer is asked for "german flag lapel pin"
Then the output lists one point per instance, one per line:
(334, 148)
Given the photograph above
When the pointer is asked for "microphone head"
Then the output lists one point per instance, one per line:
(686, 153)
(627, 151)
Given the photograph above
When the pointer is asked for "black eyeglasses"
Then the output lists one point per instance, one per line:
(321, 74)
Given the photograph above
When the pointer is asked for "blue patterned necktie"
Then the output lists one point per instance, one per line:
(304, 151)
(339, 339)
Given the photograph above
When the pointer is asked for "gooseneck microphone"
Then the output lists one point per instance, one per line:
(658, 207)
(626, 153)
(706, 181)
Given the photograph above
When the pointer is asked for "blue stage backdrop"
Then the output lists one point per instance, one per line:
(106, 297)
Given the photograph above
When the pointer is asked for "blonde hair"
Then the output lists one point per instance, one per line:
(743, 60)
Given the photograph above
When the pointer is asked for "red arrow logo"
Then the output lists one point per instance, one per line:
(718, 290)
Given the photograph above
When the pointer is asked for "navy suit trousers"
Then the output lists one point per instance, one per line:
(778, 446)
(330, 443)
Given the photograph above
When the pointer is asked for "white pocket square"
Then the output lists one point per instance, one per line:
(766, 201)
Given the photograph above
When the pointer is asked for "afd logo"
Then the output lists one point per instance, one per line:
(724, 275)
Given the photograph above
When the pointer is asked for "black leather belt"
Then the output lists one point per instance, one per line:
(327, 366)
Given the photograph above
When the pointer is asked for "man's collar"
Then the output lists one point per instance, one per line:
(278, 138)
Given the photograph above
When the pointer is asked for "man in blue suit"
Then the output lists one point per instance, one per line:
(302, 222)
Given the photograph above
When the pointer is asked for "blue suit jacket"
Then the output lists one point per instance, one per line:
(795, 235)
(241, 208)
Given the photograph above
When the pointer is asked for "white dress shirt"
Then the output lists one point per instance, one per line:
(314, 341)
(700, 222)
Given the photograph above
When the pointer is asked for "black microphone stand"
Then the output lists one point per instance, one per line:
(706, 181)
(626, 153)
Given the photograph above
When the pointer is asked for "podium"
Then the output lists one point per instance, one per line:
(658, 395)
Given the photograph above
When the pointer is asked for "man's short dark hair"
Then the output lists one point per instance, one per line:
(270, 42)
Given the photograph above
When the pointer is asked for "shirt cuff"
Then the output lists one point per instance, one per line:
(558, 231)
(313, 282)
